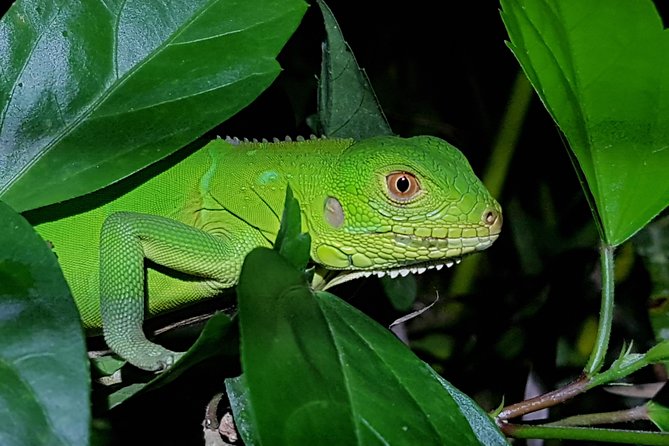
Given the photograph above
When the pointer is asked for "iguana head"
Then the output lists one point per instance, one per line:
(398, 206)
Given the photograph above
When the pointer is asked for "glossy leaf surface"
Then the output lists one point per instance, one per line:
(601, 69)
(44, 379)
(318, 371)
(94, 91)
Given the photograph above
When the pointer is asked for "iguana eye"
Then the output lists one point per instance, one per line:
(402, 186)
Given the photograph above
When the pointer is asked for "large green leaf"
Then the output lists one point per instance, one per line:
(317, 371)
(93, 91)
(347, 105)
(601, 68)
(44, 380)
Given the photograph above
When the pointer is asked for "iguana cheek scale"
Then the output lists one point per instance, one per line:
(379, 206)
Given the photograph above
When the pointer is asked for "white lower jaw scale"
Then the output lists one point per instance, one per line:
(393, 273)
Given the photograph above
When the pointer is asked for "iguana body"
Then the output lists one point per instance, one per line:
(380, 205)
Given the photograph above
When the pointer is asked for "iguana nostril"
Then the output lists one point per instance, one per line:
(493, 219)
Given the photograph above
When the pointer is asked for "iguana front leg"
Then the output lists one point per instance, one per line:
(126, 240)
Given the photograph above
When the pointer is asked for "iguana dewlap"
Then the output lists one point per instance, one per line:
(384, 205)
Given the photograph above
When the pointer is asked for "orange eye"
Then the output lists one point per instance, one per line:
(402, 186)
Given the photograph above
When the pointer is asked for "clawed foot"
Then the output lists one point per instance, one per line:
(156, 361)
(143, 353)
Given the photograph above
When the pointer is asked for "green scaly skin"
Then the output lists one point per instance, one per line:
(380, 206)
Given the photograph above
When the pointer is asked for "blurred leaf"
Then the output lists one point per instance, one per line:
(93, 91)
(652, 245)
(318, 371)
(347, 105)
(44, 379)
(601, 70)
(439, 345)
(401, 291)
(511, 343)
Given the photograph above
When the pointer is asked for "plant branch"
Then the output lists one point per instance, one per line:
(625, 365)
(585, 433)
(593, 419)
(546, 400)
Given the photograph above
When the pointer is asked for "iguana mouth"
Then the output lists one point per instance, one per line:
(401, 271)
(418, 267)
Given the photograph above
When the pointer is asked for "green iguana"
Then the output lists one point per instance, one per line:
(384, 205)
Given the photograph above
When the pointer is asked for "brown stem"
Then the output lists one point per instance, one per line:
(211, 413)
(546, 400)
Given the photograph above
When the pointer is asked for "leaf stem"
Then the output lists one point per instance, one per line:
(598, 354)
(587, 433)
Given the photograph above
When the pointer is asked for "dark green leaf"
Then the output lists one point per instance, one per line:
(296, 250)
(347, 105)
(383, 373)
(485, 430)
(125, 393)
(318, 371)
(294, 401)
(601, 69)
(93, 91)
(237, 391)
(291, 243)
(44, 380)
